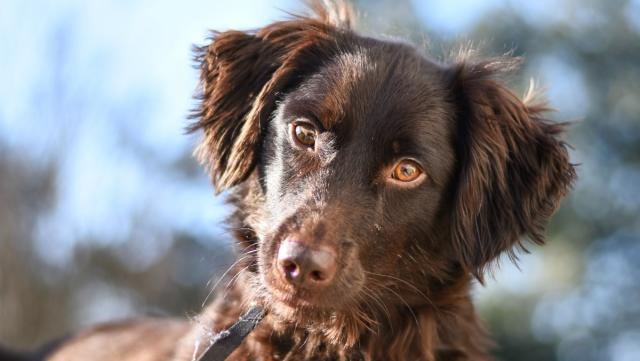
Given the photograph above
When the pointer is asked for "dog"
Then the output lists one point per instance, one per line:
(372, 186)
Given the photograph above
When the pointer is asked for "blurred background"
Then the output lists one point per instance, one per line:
(105, 215)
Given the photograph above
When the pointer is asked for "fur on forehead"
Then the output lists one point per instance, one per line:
(373, 78)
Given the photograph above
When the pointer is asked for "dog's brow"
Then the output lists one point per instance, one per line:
(328, 122)
(313, 106)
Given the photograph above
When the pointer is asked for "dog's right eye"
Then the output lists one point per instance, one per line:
(304, 134)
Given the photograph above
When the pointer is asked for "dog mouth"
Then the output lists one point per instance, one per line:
(284, 295)
(313, 308)
(303, 308)
(296, 300)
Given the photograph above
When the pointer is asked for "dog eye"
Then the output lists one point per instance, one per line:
(304, 134)
(407, 170)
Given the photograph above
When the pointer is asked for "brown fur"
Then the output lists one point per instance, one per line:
(516, 171)
(407, 256)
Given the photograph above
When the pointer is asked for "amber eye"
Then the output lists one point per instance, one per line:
(406, 171)
(304, 134)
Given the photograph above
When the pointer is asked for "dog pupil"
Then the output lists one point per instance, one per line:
(407, 170)
(305, 135)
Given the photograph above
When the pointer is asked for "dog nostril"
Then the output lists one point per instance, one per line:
(317, 276)
(290, 268)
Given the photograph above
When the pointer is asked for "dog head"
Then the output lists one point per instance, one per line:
(367, 175)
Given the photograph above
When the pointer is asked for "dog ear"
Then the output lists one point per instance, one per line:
(513, 169)
(242, 74)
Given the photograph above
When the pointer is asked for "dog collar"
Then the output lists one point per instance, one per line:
(227, 341)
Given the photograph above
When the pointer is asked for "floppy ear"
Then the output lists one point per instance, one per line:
(242, 76)
(513, 169)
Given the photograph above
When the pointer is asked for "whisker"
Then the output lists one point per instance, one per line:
(365, 301)
(403, 301)
(233, 279)
(385, 310)
(246, 256)
(411, 285)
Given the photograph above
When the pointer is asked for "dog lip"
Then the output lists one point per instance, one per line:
(294, 299)
(294, 302)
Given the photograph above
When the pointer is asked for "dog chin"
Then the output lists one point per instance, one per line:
(339, 326)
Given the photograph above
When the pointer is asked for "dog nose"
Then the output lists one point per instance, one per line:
(302, 265)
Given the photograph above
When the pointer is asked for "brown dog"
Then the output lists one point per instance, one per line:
(371, 185)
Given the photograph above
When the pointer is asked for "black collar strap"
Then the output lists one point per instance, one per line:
(227, 341)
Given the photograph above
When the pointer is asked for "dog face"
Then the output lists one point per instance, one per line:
(366, 175)
(357, 159)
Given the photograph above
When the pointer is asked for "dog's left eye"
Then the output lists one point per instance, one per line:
(304, 134)
(406, 171)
